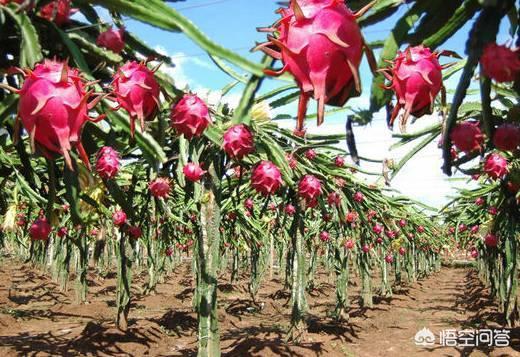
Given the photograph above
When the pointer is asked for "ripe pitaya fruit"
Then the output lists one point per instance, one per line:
(339, 161)
(5, 2)
(266, 178)
(291, 161)
(108, 162)
(389, 258)
(416, 79)
(193, 172)
(402, 251)
(420, 229)
(402, 223)
(321, 45)
(379, 240)
(309, 188)
(350, 244)
(119, 218)
(474, 253)
(377, 229)
(462, 228)
(351, 217)
(371, 214)
(493, 211)
(62, 232)
(54, 107)
(324, 236)
(496, 166)
(40, 229)
(391, 234)
(249, 204)
(160, 187)
(500, 63)
(135, 232)
(137, 91)
(190, 116)
(491, 240)
(507, 137)
(334, 199)
(310, 154)
(475, 229)
(467, 136)
(112, 39)
(290, 210)
(480, 201)
(238, 142)
(58, 11)
(358, 197)
(366, 248)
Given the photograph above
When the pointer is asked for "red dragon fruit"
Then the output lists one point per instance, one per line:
(266, 178)
(160, 187)
(291, 161)
(377, 229)
(190, 116)
(507, 137)
(249, 204)
(309, 188)
(366, 248)
(334, 199)
(339, 161)
(391, 234)
(54, 107)
(290, 210)
(324, 236)
(389, 258)
(135, 232)
(62, 232)
(310, 154)
(307, 30)
(119, 218)
(491, 240)
(371, 214)
(420, 229)
(137, 91)
(327, 217)
(238, 142)
(40, 229)
(379, 240)
(480, 201)
(467, 136)
(58, 11)
(500, 63)
(402, 223)
(358, 197)
(493, 210)
(475, 229)
(496, 166)
(350, 244)
(108, 162)
(402, 251)
(462, 228)
(112, 39)
(5, 2)
(193, 172)
(351, 217)
(474, 253)
(272, 206)
(416, 79)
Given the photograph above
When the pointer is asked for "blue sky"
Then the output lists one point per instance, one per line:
(232, 23)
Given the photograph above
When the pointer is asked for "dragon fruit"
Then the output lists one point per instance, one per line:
(190, 116)
(402, 251)
(334, 199)
(58, 11)
(309, 188)
(40, 229)
(467, 136)
(272, 206)
(402, 223)
(350, 244)
(119, 218)
(500, 63)
(327, 217)
(238, 141)
(193, 172)
(291, 161)
(249, 204)
(475, 229)
(416, 79)
(135, 232)
(137, 91)
(507, 137)
(491, 240)
(5, 2)
(358, 197)
(339, 161)
(324, 236)
(290, 210)
(474, 253)
(310, 154)
(62, 232)
(480, 201)
(493, 211)
(53, 108)
(266, 178)
(112, 39)
(108, 162)
(379, 240)
(366, 248)
(307, 30)
(389, 258)
(160, 187)
(351, 217)
(421, 229)
(496, 166)
(377, 229)
(462, 228)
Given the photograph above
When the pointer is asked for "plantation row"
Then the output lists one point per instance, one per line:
(215, 182)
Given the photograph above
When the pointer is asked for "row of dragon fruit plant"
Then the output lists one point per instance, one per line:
(209, 142)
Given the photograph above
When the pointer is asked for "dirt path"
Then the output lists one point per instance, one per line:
(37, 319)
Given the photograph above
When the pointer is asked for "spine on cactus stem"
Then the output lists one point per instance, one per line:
(208, 258)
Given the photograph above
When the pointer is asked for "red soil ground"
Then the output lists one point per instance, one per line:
(36, 319)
